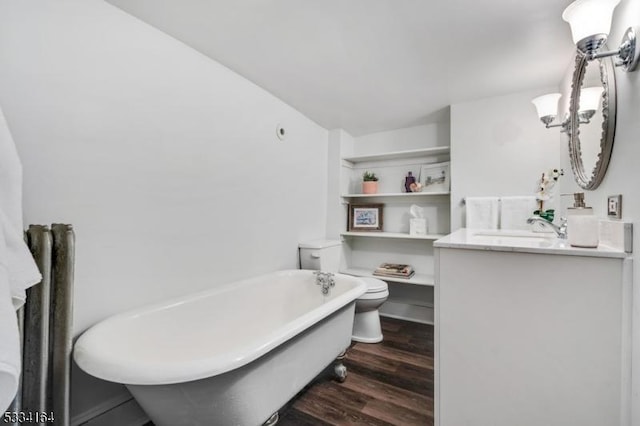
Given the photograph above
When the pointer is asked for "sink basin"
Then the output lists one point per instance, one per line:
(512, 238)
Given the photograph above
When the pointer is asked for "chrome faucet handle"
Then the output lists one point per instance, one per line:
(562, 230)
(325, 279)
(331, 278)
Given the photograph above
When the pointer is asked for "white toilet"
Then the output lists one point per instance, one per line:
(325, 255)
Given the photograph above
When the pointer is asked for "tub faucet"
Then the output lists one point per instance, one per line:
(325, 280)
(561, 231)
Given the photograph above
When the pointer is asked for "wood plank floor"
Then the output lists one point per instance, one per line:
(389, 383)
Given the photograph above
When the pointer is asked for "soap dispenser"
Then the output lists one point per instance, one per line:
(582, 224)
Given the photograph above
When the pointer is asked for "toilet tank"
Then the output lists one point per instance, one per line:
(320, 255)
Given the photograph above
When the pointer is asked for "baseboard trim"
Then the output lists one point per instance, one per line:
(404, 318)
(407, 312)
(99, 409)
(122, 410)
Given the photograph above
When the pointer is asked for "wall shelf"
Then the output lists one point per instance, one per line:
(397, 194)
(393, 235)
(417, 279)
(409, 299)
(395, 155)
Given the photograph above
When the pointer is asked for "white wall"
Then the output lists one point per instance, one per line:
(340, 145)
(165, 162)
(623, 174)
(499, 147)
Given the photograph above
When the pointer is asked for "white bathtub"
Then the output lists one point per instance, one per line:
(228, 356)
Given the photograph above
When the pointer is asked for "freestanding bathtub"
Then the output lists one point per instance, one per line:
(233, 355)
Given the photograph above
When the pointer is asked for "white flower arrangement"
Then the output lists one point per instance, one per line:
(546, 185)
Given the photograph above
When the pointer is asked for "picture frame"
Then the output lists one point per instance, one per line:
(365, 217)
(435, 177)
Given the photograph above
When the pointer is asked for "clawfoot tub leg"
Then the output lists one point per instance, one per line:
(272, 420)
(339, 368)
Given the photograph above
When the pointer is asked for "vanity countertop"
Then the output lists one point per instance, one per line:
(521, 242)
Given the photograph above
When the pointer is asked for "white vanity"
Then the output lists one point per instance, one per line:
(531, 331)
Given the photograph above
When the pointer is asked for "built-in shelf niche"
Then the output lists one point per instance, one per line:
(364, 251)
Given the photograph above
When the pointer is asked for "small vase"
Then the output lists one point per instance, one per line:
(370, 187)
(408, 180)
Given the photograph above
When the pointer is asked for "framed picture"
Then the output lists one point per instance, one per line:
(365, 217)
(435, 177)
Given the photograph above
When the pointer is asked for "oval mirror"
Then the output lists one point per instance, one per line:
(592, 120)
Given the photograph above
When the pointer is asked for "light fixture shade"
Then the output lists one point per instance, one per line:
(547, 105)
(590, 98)
(589, 18)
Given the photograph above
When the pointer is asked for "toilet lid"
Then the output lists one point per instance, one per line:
(374, 285)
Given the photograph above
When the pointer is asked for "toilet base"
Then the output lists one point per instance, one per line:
(367, 339)
(366, 327)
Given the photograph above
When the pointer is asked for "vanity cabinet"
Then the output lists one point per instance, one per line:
(363, 252)
(531, 336)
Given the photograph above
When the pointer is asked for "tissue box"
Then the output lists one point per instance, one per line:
(418, 226)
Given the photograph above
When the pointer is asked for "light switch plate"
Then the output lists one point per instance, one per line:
(614, 206)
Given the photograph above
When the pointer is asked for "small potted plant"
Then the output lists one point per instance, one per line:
(369, 183)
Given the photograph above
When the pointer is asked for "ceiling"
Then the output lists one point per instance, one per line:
(373, 65)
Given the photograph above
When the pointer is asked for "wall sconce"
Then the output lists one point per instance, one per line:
(590, 22)
(589, 103)
(547, 107)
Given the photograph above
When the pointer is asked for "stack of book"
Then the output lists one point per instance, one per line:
(395, 270)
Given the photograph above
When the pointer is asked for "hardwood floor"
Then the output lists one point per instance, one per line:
(390, 383)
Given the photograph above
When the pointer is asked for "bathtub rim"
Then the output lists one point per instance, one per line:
(87, 354)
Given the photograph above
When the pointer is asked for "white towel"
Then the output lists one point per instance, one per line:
(514, 212)
(482, 212)
(18, 270)
(9, 341)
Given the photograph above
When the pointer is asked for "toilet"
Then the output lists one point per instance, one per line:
(325, 255)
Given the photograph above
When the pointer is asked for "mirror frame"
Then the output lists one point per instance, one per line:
(609, 102)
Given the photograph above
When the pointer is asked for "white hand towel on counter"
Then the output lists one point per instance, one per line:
(514, 212)
(18, 270)
(482, 212)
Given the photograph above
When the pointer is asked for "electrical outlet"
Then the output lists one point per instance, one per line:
(614, 206)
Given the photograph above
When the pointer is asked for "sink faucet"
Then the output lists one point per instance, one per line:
(561, 231)
(326, 280)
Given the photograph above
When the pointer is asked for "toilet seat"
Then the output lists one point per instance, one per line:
(375, 295)
(376, 289)
(374, 284)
